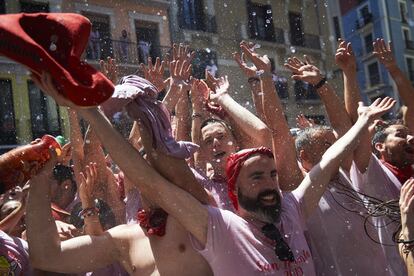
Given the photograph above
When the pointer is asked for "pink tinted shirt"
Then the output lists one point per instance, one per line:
(337, 237)
(379, 182)
(236, 246)
(14, 256)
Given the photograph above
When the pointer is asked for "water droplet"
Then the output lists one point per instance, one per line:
(225, 5)
(292, 49)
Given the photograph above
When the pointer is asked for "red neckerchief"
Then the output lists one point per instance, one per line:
(58, 213)
(154, 220)
(403, 174)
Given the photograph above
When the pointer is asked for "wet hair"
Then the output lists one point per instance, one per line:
(306, 136)
(211, 121)
(62, 173)
(106, 216)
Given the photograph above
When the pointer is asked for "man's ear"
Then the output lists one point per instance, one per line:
(302, 155)
(379, 147)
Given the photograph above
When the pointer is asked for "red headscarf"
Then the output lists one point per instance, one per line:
(234, 165)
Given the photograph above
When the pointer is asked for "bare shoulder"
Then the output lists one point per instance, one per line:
(126, 232)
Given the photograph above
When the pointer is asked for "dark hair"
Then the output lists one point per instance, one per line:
(62, 173)
(306, 136)
(106, 216)
(381, 134)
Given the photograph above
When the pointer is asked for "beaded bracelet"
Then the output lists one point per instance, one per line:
(88, 212)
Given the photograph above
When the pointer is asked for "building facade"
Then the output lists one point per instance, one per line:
(363, 22)
(133, 30)
(129, 31)
(281, 28)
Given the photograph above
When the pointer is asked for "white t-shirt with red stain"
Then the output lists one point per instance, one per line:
(236, 246)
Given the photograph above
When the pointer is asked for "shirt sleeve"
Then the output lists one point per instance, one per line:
(218, 223)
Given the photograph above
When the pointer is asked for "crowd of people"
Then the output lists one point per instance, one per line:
(202, 186)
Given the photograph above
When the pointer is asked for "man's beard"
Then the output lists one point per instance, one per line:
(265, 213)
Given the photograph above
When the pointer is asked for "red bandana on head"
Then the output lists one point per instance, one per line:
(233, 166)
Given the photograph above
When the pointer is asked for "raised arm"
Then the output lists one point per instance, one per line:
(46, 251)
(338, 117)
(282, 141)
(314, 185)
(246, 121)
(253, 81)
(346, 60)
(154, 187)
(198, 93)
(406, 236)
(406, 90)
(86, 189)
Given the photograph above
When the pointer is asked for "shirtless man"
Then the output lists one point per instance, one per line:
(120, 244)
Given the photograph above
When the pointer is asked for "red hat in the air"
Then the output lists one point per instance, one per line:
(54, 42)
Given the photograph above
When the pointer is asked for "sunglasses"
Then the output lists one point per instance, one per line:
(282, 249)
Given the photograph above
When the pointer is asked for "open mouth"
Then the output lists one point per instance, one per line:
(268, 199)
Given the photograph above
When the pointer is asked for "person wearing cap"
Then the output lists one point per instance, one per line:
(259, 238)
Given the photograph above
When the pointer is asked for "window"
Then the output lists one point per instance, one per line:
(202, 59)
(406, 34)
(7, 120)
(410, 68)
(148, 39)
(365, 17)
(296, 30)
(337, 27)
(305, 91)
(368, 40)
(260, 21)
(403, 12)
(33, 7)
(2, 7)
(281, 84)
(191, 14)
(373, 74)
(100, 42)
(44, 113)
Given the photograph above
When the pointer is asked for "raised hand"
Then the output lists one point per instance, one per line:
(200, 93)
(378, 108)
(302, 122)
(344, 57)
(180, 74)
(384, 53)
(407, 209)
(87, 185)
(155, 73)
(304, 70)
(261, 63)
(222, 87)
(249, 71)
(109, 68)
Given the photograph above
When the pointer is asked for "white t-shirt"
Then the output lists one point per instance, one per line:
(337, 237)
(379, 182)
(236, 246)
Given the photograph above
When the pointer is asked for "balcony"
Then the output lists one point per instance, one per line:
(409, 44)
(364, 21)
(124, 52)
